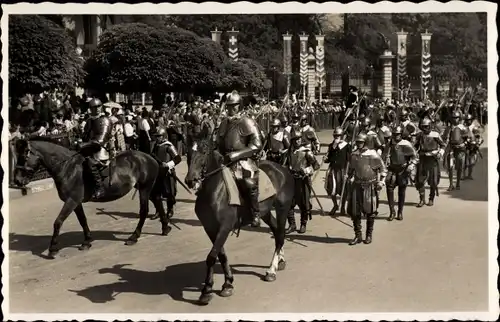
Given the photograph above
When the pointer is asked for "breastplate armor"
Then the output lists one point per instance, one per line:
(276, 142)
(298, 160)
(100, 129)
(364, 162)
(164, 152)
(372, 140)
(308, 135)
(456, 135)
(400, 152)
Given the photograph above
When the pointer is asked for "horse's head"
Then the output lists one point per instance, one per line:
(28, 162)
(203, 153)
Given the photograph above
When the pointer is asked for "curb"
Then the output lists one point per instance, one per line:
(31, 188)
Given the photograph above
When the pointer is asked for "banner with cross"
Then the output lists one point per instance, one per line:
(233, 44)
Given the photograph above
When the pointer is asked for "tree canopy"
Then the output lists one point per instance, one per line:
(42, 56)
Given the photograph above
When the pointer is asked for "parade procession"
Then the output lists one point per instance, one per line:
(366, 161)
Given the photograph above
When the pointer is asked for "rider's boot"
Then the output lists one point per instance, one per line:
(254, 202)
(96, 175)
(358, 237)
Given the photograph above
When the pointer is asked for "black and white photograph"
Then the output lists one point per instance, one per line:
(273, 161)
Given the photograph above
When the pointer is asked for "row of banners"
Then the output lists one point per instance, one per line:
(312, 63)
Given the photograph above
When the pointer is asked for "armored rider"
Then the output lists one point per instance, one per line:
(430, 147)
(336, 158)
(401, 161)
(302, 163)
(240, 141)
(367, 174)
(309, 137)
(97, 133)
(166, 153)
(277, 143)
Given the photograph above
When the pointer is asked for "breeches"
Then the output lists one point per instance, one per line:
(396, 177)
(362, 200)
(428, 170)
(334, 181)
(456, 160)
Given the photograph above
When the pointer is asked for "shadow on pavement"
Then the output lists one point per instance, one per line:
(173, 281)
(134, 215)
(477, 189)
(37, 244)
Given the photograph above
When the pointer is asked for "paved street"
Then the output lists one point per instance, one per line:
(435, 260)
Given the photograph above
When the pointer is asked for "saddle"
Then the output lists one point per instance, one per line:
(266, 187)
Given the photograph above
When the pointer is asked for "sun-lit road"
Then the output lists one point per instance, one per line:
(434, 260)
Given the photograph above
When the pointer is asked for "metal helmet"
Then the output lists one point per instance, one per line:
(361, 137)
(468, 117)
(456, 115)
(233, 99)
(397, 130)
(161, 132)
(366, 121)
(95, 102)
(303, 117)
(284, 120)
(295, 116)
(24, 101)
(338, 131)
(425, 122)
(404, 113)
(296, 134)
(276, 123)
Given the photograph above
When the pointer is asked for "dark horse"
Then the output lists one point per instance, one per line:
(74, 185)
(219, 218)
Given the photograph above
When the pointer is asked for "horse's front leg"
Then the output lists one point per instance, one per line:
(66, 210)
(278, 229)
(143, 213)
(227, 287)
(87, 236)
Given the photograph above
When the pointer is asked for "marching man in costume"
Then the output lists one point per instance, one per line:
(277, 143)
(302, 163)
(367, 174)
(337, 157)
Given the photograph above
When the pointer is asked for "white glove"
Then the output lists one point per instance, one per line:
(308, 171)
(441, 153)
(170, 165)
(381, 184)
(411, 167)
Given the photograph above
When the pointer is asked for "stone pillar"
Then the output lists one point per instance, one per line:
(311, 76)
(387, 58)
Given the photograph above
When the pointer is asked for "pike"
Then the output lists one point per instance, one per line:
(176, 179)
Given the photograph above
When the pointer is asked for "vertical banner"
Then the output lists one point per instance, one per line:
(426, 63)
(287, 59)
(303, 63)
(401, 62)
(311, 77)
(216, 35)
(233, 44)
(320, 64)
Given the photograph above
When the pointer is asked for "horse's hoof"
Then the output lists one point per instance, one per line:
(166, 230)
(270, 277)
(281, 265)
(205, 299)
(84, 246)
(130, 242)
(226, 291)
(52, 254)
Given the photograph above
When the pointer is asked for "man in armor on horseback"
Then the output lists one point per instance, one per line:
(309, 137)
(97, 133)
(302, 163)
(240, 141)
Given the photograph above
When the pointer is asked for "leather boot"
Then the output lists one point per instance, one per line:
(292, 226)
(303, 222)
(370, 221)
(431, 197)
(401, 202)
(358, 237)
(421, 203)
(254, 204)
(96, 176)
(390, 201)
(335, 207)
